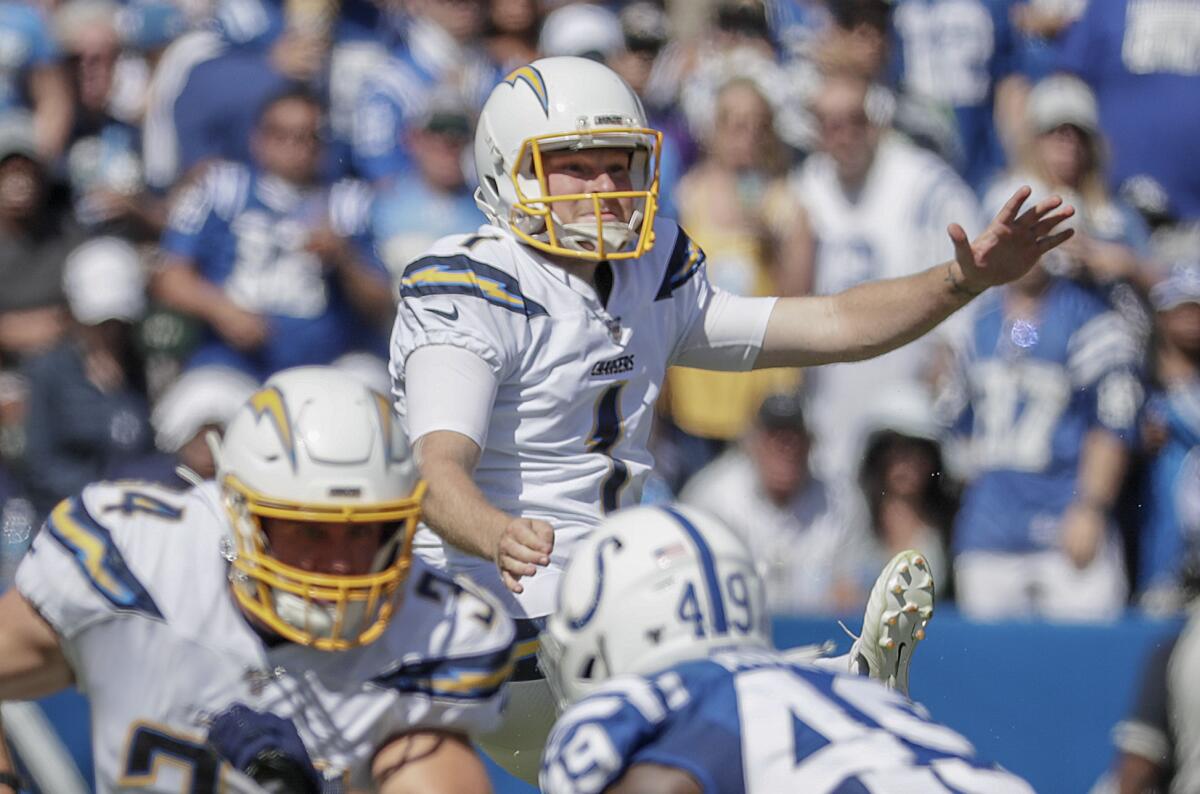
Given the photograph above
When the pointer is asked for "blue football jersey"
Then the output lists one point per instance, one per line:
(1170, 530)
(393, 96)
(25, 43)
(956, 52)
(751, 722)
(246, 232)
(1139, 56)
(1033, 389)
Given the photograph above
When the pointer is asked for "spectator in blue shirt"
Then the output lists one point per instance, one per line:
(964, 54)
(441, 52)
(1170, 529)
(273, 260)
(32, 77)
(214, 115)
(434, 199)
(104, 165)
(1143, 61)
(1050, 393)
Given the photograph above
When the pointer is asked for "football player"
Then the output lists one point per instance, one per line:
(661, 643)
(527, 356)
(286, 587)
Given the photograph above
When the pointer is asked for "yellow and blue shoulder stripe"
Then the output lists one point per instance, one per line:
(476, 677)
(461, 275)
(685, 261)
(94, 552)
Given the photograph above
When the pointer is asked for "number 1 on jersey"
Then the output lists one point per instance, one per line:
(606, 434)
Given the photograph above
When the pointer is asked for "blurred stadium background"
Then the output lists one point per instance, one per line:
(197, 193)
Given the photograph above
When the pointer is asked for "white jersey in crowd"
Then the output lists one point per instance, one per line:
(577, 379)
(803, 549)
(131, 577)
(895, 225)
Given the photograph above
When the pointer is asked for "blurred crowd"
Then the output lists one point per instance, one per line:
(195, 194)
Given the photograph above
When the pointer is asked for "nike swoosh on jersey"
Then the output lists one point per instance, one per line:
(450, 315)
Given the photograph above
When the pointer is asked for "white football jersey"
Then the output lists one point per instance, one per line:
(132, 578)
(567, 439)
(894, 226)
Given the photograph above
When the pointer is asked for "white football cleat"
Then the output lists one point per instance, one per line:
(899, 607)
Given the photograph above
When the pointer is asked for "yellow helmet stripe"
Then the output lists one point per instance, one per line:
(270, 402)
(532, 78)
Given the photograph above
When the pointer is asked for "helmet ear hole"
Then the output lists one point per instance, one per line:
(492, 186)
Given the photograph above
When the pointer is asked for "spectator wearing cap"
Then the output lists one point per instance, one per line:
(511, 32)
(442, 53)
(200, 402)
(808, 537)
(878, 206)
(434, 199)
(87, 406)
(32, 78)
(583, 30)
(1142, 60)
(1064, 152)
(1169, 558)
(965, 55)
(273, 259)
(736, 206)
(35, 236)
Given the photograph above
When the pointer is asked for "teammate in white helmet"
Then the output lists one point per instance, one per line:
(266, 625)
(527, 356)
(661, 643)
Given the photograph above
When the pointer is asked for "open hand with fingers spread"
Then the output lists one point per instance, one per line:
(1010, 245)
(524, 545)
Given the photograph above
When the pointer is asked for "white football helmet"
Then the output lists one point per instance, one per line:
(652, 586)
(565, 103)
(315, 445)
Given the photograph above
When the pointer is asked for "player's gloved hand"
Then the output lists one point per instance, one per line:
(265, 747)
(524, 544)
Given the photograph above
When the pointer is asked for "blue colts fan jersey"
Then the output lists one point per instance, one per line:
(1170, 530)
(246, 232)
(751, 722)
(1032, 389)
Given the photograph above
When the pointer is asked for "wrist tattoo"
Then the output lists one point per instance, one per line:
(959, 286)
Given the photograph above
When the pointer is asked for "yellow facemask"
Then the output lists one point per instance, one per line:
(531, 212)
(356, 608)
